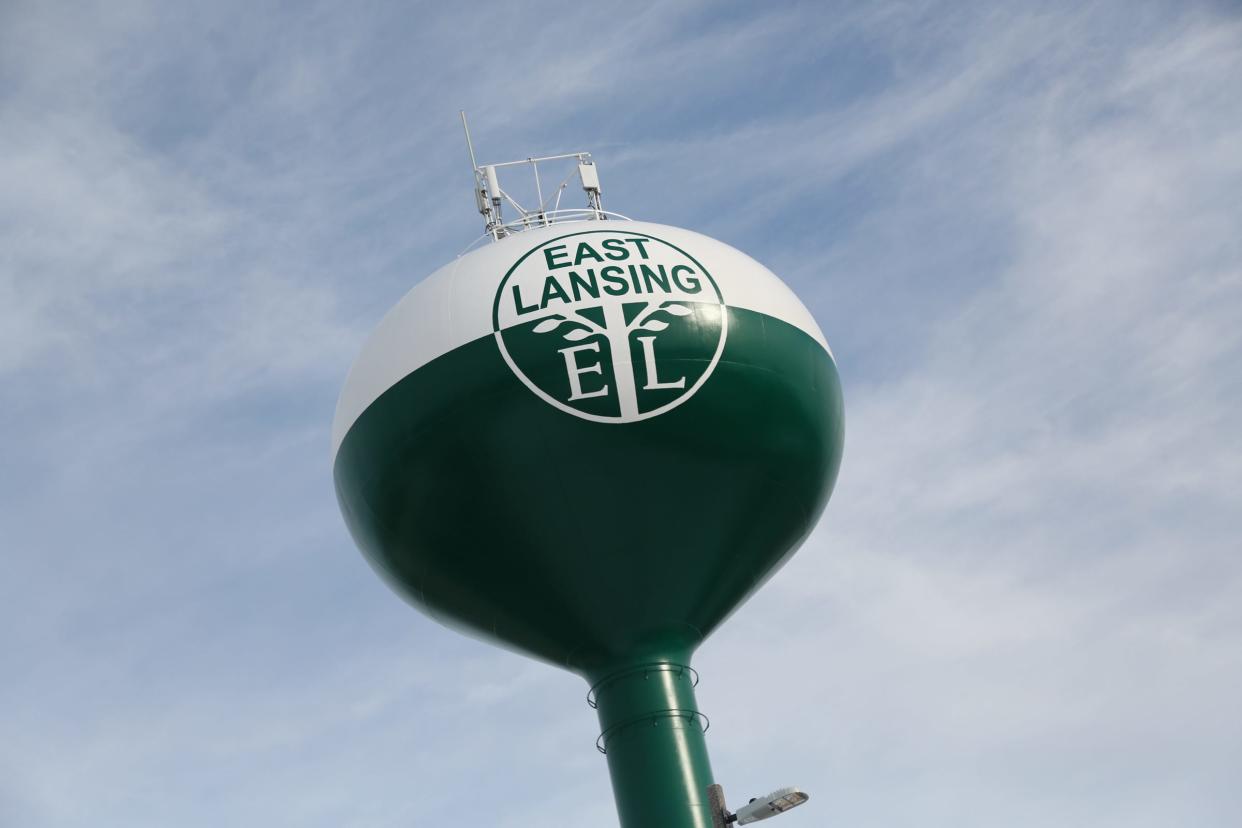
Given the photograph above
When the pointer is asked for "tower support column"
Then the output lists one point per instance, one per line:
(652, 734)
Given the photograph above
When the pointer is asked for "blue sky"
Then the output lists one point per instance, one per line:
(1018, 228)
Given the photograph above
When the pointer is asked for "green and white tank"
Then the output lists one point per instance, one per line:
(590, 442)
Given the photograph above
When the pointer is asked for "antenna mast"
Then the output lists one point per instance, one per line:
(489, 197)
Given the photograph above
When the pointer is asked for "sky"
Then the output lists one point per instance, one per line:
(1017, 224)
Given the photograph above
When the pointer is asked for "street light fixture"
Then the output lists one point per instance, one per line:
(758, 809)
(777, 802)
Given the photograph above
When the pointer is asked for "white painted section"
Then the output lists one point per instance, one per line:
(453, 306)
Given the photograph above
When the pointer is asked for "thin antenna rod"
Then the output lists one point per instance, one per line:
(474, 165)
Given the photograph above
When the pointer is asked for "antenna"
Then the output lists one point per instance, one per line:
(489, 196)
(486, 188)
(469, 145)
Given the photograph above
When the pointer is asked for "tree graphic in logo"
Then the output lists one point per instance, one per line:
(618, 333)
(610, 326)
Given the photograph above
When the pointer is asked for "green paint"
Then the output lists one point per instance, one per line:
(600, 547)
(652, 731)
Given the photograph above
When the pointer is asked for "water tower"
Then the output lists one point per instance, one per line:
(590, 439)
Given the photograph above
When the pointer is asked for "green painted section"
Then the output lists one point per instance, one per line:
(593, 544)
(600, 546)
(652, 731)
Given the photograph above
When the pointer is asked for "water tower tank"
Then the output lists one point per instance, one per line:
(590, 440)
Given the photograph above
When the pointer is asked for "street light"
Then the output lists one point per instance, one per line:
(777, 802)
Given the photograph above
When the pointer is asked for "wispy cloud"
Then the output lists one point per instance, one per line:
(1028, 572)
(1018, 230)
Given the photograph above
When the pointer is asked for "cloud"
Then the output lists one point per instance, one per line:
(1027, 573)
(1018, 230)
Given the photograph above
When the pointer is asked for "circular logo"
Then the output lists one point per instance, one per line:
(610, 326)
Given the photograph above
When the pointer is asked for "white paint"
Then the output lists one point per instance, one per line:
(649, 362)
(576, 371)
(453, 306)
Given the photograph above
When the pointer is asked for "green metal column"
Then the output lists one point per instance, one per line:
(652, 733)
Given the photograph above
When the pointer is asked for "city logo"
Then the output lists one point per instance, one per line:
(610, 326)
